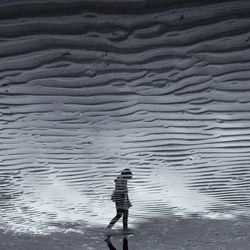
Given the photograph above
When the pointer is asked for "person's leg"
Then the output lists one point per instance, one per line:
(115, 219)
(110, 245)
(125, 219)
(125, 243)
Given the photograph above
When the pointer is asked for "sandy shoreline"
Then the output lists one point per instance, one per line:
(200, 234)
(90, 87)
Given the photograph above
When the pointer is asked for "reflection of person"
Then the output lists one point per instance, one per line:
(111, 246)
(120, 197)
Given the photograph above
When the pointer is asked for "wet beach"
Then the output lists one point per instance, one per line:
(89, 88)
(174, 234)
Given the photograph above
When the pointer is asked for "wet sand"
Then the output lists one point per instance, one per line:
(88, 88)
(174, 234)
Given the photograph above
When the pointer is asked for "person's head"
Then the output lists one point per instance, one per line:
(126, 173)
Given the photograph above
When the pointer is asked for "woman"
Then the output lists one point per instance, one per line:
(120, 197)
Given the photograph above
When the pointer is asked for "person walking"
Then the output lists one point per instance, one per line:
(121, 199)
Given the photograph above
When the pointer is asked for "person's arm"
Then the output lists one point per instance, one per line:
(129, 202)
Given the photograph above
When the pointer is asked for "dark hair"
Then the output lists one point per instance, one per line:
(127, 172)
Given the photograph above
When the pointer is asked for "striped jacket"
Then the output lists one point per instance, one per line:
(120, 194)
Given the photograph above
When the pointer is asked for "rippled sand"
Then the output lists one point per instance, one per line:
(90, 88)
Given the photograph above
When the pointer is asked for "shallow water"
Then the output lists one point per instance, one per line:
(168, 233)
(87, 90)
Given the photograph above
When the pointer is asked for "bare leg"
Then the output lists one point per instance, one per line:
(115, 219)
(125, 219)
(125, 243)
(110, 245)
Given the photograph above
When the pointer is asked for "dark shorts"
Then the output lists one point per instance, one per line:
(121, 210)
